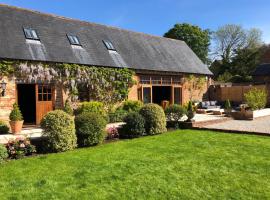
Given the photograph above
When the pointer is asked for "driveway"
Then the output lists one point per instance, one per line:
(259, 125)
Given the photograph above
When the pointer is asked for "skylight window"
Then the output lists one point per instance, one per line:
(74, 40)
(30, 34)
(109, 45)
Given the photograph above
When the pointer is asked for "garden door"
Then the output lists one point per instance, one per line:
(44, 101)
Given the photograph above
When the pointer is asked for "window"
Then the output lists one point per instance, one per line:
(74, 40)
(109, 45)
(30, 34)
(44, 93)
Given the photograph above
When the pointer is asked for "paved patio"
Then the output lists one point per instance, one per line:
(260, 125)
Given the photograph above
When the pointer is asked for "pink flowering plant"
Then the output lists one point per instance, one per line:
(20, 147)
(112, 133)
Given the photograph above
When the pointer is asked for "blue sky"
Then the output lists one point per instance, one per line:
(157, 16)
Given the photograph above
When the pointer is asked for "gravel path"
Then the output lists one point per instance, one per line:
(260, 125)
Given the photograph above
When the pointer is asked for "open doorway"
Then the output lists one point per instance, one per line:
(26, 94)
(161, 93)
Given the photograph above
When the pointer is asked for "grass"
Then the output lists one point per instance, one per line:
(185, 164)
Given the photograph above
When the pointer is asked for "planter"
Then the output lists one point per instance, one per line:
(249, 114)
(16, 126)
(190, 115)
(227, 111)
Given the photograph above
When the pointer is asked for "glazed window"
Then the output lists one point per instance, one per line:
(109, 45)
(30, 34)
(73, 40)
(44, 93)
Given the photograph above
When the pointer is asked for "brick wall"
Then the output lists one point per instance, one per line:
(8, 100)
(133, 91)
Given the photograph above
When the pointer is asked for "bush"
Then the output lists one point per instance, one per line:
(175, 112)
(112, 133)
(190, 111)
(90, 129)
(67, 108)
(15, 114)
(256, 98)
(59, 130)
(3, 128)
(93, 107)
(117, 116)
(155, 120)
(133, 127)
(227, 104)
(132, 106)
(3, 153)
(19, 148)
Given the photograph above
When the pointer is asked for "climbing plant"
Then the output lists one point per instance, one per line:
(109, 85)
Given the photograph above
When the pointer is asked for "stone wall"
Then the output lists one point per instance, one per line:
(7, 101)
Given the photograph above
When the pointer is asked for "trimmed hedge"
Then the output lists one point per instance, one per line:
(4, 129)
(3, 153)
(132, 106)
(117, 116)
(133, 127)
(59, 131)
(67, 108)
(90, 129)
(155, 120)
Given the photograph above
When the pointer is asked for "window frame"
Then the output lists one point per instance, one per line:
(31, 37)
(109, 45)
(72, 41)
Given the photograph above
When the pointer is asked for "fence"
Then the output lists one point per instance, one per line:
(234, 93)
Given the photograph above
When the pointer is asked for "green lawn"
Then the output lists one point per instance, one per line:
(184, 164)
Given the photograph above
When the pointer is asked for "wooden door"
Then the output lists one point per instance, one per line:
(44, 101)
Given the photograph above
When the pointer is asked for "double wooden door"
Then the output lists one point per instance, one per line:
(44, 101)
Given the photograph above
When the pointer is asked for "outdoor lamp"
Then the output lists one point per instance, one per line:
(3, 86)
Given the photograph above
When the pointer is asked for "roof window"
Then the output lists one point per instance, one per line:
(30, 34)
(109, 45)
(74, 40)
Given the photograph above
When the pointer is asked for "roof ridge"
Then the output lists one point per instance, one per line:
(82, 21)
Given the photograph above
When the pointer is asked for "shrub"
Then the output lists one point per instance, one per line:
(90, 129)
(3, 153)
(175, 112)
(3, 128)
(155, 120)
(15, 114)
(19, 148)
(93, 107)
(117, 116)
(67, 108)
(227, 104)
(59, 131)
(190, 111)
(133, 127)
(132, 106)
(256, 98)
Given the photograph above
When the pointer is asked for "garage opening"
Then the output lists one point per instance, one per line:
(161, 93)
(27, 102)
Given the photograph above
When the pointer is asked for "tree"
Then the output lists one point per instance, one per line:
(195, 84)
(230, 38)
(195, 37)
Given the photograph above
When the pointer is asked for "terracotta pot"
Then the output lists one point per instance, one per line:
(16, 126)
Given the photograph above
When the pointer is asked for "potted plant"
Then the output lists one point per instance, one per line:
(228, 107)
(190, 112)
(16, 119)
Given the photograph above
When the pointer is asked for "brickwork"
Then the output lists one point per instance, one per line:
(8, 100)
(133, 91)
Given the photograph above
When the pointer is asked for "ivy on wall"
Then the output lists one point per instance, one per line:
(108, 85)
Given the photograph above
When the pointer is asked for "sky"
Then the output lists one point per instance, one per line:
(158, 16)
